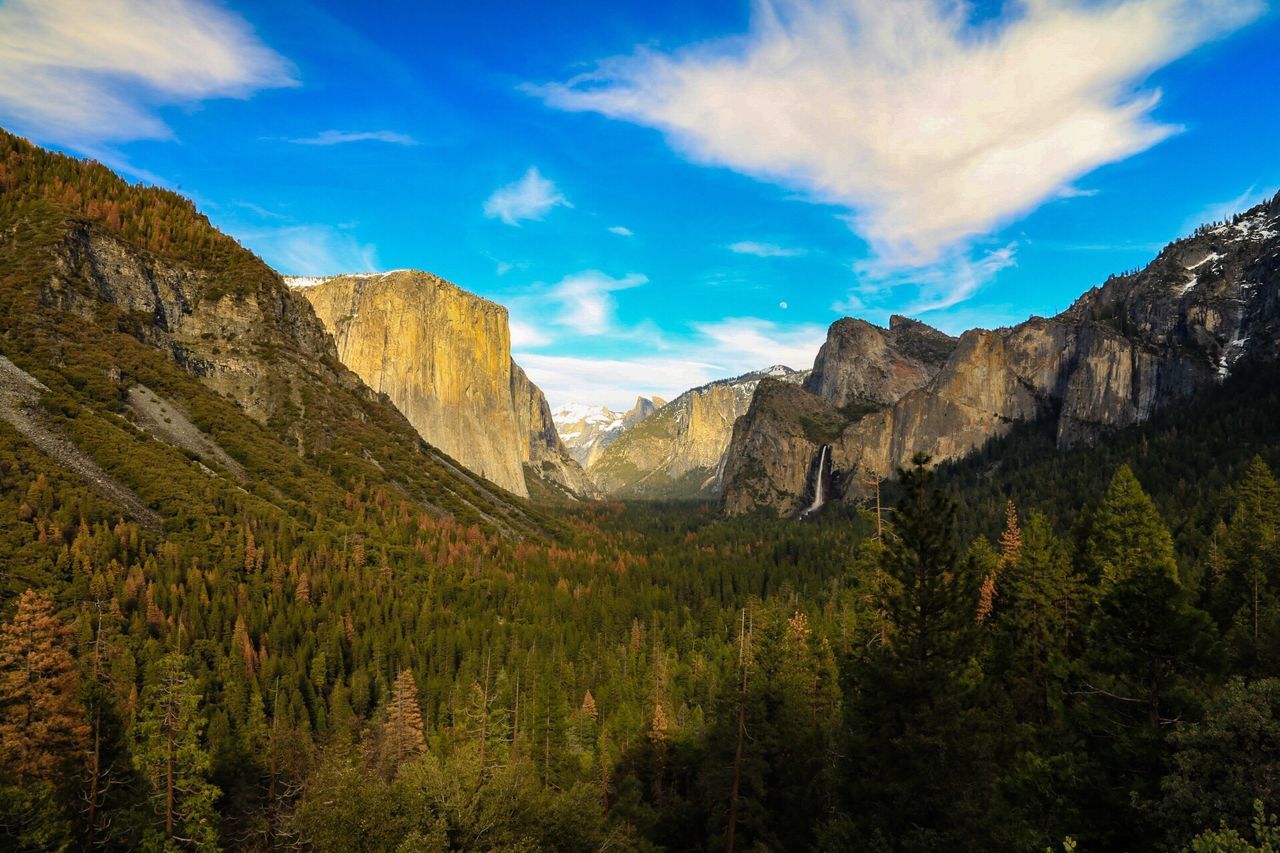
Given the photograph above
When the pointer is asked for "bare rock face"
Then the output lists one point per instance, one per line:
(259, 347)
(772, 449)
(863, 362)
(679, 451)
(1113, 359)
(443, 357)
(588, 430)
(545, 455)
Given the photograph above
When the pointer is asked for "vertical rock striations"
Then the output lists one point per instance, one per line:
(1112, 359)
(443, 357)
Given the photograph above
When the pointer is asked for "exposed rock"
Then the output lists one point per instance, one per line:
(588, 430)
(21, 408)
(543, 451)
(443, 357)
(862, 362)
(259, 348)
(773, 448)
(679, 451)
(1114, 358)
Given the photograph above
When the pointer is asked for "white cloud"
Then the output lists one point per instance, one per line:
(341, 137)
(935, 287)
(527, 335)
(611, 382)
(931, 130)
(739, 344)
(82, 72)
(531, 197)
(585, 301)
(310, 249)
(622, 231)
(764, 250)
(716, 350)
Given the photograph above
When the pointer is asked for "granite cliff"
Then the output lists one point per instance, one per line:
(172, 369)
(1115, 357)
(443, 357)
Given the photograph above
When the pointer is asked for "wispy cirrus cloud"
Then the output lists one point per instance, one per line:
(343, 137)
(621, 231)
(921, 290)
(764, 250)
(929, 128)
(585, 301)
(1223, 210)
(310, 249)
(707, 351)
(81, 73)
(530, 198)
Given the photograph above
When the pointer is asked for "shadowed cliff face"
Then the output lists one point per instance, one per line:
(543, 453)
(443, 357)
(1115, 357)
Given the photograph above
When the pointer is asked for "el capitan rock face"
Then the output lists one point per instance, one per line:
(443, 357)
(1112, 359)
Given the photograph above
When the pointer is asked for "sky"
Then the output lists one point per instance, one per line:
(665, 192)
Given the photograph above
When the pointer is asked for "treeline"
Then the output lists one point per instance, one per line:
(657, 679)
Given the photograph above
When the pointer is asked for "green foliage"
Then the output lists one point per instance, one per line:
(598, 677)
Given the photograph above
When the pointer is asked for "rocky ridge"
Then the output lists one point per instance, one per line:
(1115, 357)
(588, 430)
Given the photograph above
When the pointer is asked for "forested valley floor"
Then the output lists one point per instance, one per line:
(1034, 652)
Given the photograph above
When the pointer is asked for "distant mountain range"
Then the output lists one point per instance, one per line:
(127, 305)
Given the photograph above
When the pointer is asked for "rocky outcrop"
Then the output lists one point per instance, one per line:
(862, 362)
(773, 448)
(259, 345)
(544, 456)
(443, 357)
(1114, 358)
(679, 451)
(588, 430)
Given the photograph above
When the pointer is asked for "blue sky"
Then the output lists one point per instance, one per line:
(664, 192)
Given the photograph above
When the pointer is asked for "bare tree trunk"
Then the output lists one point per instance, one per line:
(168, 785)
(742, 728)
(515, 722)
(95, 768)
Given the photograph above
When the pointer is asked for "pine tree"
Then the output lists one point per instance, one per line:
(1147, 647)
(1011, 538)
(917, 754)
(169, 754)
(42, 724)
(1245, 597)
(1041, 615)
(1126, 535)
(403, 735)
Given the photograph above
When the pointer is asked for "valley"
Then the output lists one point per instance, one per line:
(312, 563)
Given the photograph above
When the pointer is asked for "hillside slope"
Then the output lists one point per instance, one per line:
(109, 289)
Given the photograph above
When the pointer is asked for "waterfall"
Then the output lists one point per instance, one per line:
(820, 481)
